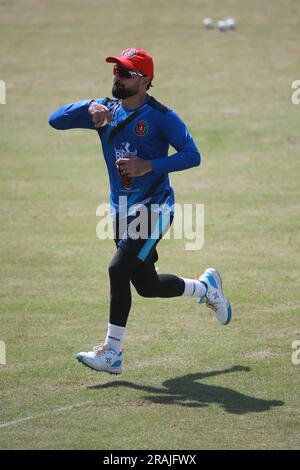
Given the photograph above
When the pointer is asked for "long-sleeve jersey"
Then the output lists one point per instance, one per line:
(146, 132)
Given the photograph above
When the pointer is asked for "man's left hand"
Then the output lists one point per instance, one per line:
(134, 166)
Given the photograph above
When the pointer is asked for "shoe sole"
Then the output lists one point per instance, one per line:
(217, 277)
(115, 371)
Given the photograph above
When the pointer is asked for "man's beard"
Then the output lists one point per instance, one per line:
(118, 91)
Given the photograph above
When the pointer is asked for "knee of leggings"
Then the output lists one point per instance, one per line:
(147, 290)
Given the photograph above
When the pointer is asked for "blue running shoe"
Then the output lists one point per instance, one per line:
(214, 297)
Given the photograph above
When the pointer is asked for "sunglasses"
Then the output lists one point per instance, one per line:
(124, 73)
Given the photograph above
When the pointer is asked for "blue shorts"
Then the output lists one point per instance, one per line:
(150, 229)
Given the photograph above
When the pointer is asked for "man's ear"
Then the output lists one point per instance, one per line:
(146, 81)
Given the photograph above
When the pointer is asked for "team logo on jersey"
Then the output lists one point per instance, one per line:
(141, 128)
(129, 52)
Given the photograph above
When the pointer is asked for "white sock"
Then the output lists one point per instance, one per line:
(114, 337)
(194, 288)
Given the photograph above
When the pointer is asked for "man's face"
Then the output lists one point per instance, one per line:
(125, 87)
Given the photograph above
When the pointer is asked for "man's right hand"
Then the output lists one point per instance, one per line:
(99, 113)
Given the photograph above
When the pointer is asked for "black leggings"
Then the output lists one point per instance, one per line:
(124, 267)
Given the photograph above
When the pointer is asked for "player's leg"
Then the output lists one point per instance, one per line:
(207, 288)
(148, 283)
(108, 357)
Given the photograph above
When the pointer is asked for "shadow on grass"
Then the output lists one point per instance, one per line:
(188, 391)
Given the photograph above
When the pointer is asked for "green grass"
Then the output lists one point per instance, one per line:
(187, 382)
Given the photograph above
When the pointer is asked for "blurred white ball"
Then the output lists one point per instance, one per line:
(105, 122)
(208, 23)
(231, 23)
(222, 25)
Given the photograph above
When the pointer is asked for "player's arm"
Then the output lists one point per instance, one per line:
(176, 134)
(86, 114)
(179, 137)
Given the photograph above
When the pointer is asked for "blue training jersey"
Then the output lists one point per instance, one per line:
(145, 132)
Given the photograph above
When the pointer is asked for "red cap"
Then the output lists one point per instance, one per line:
(135, 59)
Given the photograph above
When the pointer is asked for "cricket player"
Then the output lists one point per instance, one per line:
(136, 131)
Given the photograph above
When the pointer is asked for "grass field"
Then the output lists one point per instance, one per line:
(187, 382)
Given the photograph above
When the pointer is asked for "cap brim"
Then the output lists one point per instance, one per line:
(117, 60)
